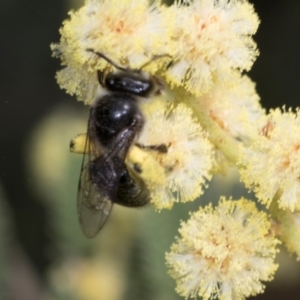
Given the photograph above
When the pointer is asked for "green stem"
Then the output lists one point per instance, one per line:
(220, 138)
(286, 227)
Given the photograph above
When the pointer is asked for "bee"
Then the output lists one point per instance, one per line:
(115, 122)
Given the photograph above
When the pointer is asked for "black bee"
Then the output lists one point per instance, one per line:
(115, 122)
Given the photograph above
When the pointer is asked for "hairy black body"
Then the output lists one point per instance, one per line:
(115, 122)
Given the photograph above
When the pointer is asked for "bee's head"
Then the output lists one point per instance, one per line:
(130, 81)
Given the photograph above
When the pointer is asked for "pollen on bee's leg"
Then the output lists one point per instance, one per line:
(77, 145)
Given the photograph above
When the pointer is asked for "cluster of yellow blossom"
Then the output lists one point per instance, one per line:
(211, 114)
(224, 253)
(183, 174)
(208, 40)
(204, 40)
(272, 161)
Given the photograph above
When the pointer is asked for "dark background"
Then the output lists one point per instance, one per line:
(28, 93)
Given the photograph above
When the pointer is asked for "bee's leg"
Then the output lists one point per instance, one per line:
(162, 148)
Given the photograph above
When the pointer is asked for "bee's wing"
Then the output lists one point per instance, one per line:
(100, 179)
(93, 206)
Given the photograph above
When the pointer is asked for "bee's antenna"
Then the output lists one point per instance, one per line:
(107, 59)
(134, 70)
(155, 58)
